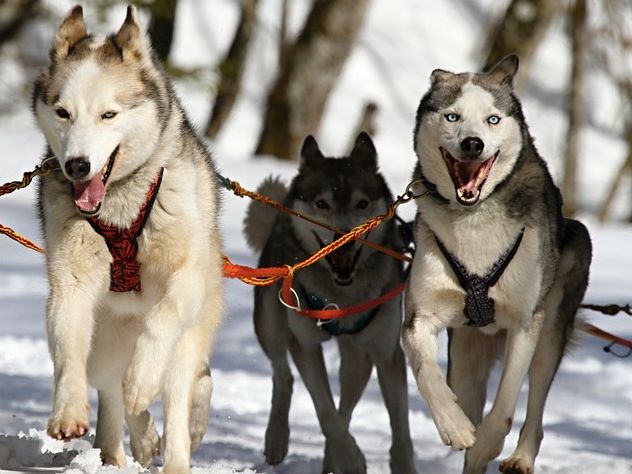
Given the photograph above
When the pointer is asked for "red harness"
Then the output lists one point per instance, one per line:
(123, 246)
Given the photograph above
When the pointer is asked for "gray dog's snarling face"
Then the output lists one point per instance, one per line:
(468, 135)
(342, 193)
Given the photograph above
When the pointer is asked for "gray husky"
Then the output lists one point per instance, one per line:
(133, 249)
(341, 193)
(497, 263)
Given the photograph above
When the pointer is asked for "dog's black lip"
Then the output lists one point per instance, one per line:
(91, 213)
(110, 164)
(338, 281)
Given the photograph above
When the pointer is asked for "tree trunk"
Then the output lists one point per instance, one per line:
(576, 107)
(520, 31)
(231, 69)
(283, 42)
(13, 16)
(297, 99)
(626, 168)
(161, 25)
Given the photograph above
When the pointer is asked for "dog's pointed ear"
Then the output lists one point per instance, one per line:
(130, 38)
(310, 153)
(364, 151)
(439, 75)
(506, 69)
(70, 32)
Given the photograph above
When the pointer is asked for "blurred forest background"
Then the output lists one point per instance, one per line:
(309, 61)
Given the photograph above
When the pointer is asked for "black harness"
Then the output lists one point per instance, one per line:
(479, 307)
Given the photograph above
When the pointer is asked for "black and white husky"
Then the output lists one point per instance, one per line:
(497, 263)
(133, 249)
(342, 193)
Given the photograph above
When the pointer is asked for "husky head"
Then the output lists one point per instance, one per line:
(342, 193)
(470, 131)
(99, 104)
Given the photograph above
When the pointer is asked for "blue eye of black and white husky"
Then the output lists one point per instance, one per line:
(62, 113)
(452, 117)
(493, 119)
(110, 114)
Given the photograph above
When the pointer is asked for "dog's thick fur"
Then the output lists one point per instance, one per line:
(477, 212)
(102, 100)
(342, 193)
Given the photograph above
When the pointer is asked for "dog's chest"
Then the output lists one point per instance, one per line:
(481, 242)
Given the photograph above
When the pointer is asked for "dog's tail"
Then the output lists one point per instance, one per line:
(260, 218)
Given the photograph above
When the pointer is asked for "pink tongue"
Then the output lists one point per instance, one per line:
(467, 175)
(89, 194)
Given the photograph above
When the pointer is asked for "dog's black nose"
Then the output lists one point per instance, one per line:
(77, 168)
(472, 146)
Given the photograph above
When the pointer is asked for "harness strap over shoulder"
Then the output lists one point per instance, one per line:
(479, 307)
(123, 244)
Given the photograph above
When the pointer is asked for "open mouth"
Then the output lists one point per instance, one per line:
(89, 194)
(342, 261)
(468, 176)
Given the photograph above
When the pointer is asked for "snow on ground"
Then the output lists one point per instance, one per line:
(587, 424)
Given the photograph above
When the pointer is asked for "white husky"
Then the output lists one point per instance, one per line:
(133, 251)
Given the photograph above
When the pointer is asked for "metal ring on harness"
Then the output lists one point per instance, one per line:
(287, 305)
(321, 322)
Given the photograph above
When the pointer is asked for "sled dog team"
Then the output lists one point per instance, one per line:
(134, 261)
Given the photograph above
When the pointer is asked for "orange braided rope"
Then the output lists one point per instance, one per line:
(42, 169)
(238, 190)
(20, 239)
(269, 276)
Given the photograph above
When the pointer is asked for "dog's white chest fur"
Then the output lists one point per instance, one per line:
(478, 240)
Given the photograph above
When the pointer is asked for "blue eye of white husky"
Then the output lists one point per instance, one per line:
(452, 117)
(493, 119)
(110, 114)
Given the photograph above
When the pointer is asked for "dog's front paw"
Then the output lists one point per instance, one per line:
(69, 421)
(277, 440)
(141, 383)
(455, 428)
(516, 465)
(342, 454)
(490, 438)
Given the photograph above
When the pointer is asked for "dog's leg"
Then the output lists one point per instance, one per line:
(490, 434)
(543, 367)
(471, 357)
(144, 440)
(560, 306)
(270, 322)
(344, 454)
(200, 406)
(109, 433)
(355, 370)
(177, 395)
(354, 373)
(69, 322)
(419, 337)
(391, 374)
(180, 307)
